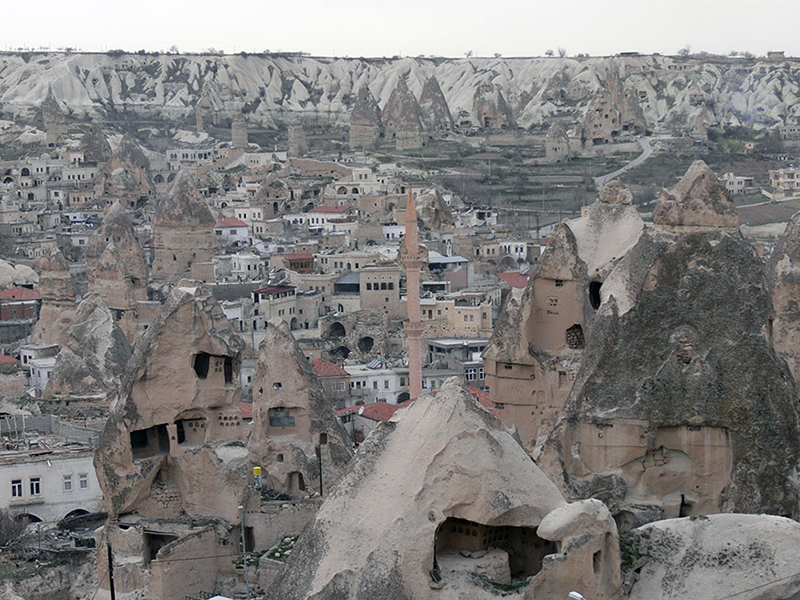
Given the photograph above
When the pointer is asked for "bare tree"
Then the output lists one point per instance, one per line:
(548, 53)
(562, 52)
(11, 529)
(685, 51)
(468, 54)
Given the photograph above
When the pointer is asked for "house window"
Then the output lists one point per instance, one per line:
(36, 486)
(338, 386)
(67, 483)
(16, 488)
(83, 481)
(386, 384)
(471, 374)
(279, 417)
(374, 385)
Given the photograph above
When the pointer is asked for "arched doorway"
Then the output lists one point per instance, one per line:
(337, 329)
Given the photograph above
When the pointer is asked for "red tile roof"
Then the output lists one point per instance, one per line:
(273, 289)
(7, 360)
(20, 293)
(323, 368)
(484, 400)
(327, 208)
(230, 222)
(246, 409)
(377, 411)
(515, 280)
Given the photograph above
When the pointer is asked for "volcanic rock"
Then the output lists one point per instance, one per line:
(183, 230)
(292, 416)
(94, 352)
(435, 113)
(490, 108)
(402, 117)
(697, 200)
(366, 125)
(58, 299)
(442, 477)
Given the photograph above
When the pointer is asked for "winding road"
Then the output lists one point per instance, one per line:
(647, 150)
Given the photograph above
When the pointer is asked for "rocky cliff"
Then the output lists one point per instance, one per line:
(271, 89)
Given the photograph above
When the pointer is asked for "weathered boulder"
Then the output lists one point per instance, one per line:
(366, 124)
(429, 493)
(15, 275)
(697, 200)
(293, 416)
(720, 556)
(94, 352)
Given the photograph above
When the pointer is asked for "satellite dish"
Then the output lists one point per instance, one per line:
(361, 411)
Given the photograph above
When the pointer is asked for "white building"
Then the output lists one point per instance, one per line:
(41, 369)
(368, 385)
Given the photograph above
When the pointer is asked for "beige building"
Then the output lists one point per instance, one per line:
(380, 289)
(785, 183)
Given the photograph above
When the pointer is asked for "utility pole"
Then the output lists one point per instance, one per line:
(244, 554)
(111, 573)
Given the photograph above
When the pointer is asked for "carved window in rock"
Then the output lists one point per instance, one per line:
(575, 337)
(685, 352)
(152, 441)
(280, 417)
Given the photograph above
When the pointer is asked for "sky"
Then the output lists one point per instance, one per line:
(409, 28)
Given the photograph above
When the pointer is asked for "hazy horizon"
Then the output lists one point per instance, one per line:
(357, 28)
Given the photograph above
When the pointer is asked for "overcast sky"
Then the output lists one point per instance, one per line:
(407, 28)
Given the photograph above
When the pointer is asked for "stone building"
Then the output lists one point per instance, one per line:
(556, 144)
(366, 124)
(490, 108)
(183, 230)
(680, 406)
(402, 118)
(435, 113)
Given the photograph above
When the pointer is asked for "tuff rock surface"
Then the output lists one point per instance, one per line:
(292, 416)
(58, 299)
(94, 352)
(443, 463)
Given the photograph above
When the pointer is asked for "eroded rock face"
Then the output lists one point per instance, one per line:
(783, 272)
(556, 144)
(434, 111)
(697, 200)
(54, 121)
(58, 299)
(680, 405)
(447, 482)
(94, 352)
(736, 556)
(14, 275)
(298, 145)
(292, 417)
(366, 124)
(95, 146)
(536, 348)
(490, 108)
(183, 230)
(174, 442)
(239, 131)
(401, 117)
(118, 273)
(126, 176)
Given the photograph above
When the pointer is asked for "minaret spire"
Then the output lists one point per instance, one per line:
(413, 327)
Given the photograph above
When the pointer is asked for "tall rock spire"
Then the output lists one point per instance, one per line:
(413, 327)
